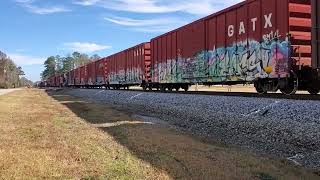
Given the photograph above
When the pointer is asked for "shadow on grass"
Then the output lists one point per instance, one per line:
(145, 140)
(180, 155)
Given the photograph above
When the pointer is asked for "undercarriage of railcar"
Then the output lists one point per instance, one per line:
(166, 86)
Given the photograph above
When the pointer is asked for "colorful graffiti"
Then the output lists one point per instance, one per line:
(100, 80)
(132, 76)
(240, 62)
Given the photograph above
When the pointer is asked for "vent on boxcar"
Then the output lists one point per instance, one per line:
(300, 30)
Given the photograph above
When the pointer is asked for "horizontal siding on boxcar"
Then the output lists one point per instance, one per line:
(300, 30)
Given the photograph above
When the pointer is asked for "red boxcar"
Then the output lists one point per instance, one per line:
(51, 81)
(60, 80)
(100, 71)
(55, 81)
(130, 67)
(77, 77)
(248, 42)
(82, 75)
(91, 77)
(138, 64)
(71, 78)
(117, 68)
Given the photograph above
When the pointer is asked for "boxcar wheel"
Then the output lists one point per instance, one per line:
(162, 89)
(291, 85)
(313, 91)
(186, 89)
(144, 88)
(260, 88)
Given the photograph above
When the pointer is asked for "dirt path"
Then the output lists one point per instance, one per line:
(6, 91)
(60, 136)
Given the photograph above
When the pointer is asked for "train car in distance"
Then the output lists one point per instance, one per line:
(130, 67)
(266, 42)
(57, 80)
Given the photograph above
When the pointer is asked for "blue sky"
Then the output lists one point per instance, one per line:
(32, 30)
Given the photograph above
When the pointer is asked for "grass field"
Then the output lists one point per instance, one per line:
(61, 137)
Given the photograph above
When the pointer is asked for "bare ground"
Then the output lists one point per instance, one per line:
(60, 136)
(6, 91)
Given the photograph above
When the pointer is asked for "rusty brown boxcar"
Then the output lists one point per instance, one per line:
(100, 70)
(82, 73)
(71, 78)
(266, 42)
(129, 67)
(91, 74)
(77, 81)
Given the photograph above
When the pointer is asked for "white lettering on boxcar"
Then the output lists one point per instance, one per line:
(230, 30)
(242, 29)
(254, 21)
(268, 21)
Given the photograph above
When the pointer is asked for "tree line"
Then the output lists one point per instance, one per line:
(63, 64)
(10, 73)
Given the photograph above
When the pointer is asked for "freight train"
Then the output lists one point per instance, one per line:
(273, 44)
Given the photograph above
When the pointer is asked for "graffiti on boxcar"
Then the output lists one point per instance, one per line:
(117, 78)
(132, 76)
(268, 38)
(243, 61)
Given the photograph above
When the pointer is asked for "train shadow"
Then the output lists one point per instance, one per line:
(177, 154)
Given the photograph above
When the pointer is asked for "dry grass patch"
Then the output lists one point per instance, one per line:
(180, 155)
(62, 137)
(41, 138)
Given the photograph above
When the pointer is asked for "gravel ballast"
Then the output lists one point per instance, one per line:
(281, 127)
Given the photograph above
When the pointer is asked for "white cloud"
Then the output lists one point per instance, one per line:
(47, 10)
(21, 60)
(136, 22)
(198, 7)
(29, 5)
(85, 47)
(24, 1)
(86, 2)
(147, 25)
